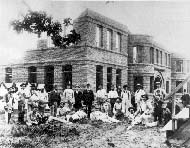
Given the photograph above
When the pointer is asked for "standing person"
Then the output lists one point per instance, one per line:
(9, 106)
(68, 95)
(21, 104)
(54, 101)
(32, 101)
(43, 100)
(112, 95)
(78, 98)
(139, 92)
(126, 100)
(88, 97)
(159, 95)
(185, 98)
(119, 90)
(101, 96)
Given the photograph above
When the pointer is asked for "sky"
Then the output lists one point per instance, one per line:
(167, 21)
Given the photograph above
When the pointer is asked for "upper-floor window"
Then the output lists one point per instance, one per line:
(118, 42)
(134, 54)
(99, 36)
(169, 60)
(179, 66)
(166, 59)
(8, 75)
(151, 55)
(140, 54)
(157, 56)
(161, 57)
(188, 66)
(109, 39)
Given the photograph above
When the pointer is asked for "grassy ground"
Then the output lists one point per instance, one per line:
(87, 134)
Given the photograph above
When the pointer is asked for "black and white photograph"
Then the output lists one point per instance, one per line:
(94, 74)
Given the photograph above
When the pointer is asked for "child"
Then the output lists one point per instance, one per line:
(131, 114)
(117, 109)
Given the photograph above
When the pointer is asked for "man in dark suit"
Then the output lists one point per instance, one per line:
(78, 98)
(88, 97)
(54, 100)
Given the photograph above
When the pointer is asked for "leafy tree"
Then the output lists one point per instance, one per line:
(38, 22)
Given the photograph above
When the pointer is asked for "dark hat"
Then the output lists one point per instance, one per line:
(119, 99)
(145, 96)
(23, 85)
(124, 86)
(77, 86)
(131, 108)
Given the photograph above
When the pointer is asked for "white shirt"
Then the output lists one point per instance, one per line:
(112, 94)
(138, 95)
(101, 93)
(68, 95)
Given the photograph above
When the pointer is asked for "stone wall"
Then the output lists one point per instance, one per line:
(86, 27)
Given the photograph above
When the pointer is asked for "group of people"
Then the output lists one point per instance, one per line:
(71, 104)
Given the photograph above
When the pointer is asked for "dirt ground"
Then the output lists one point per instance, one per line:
(93, 135)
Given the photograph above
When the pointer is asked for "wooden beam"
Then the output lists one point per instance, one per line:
(177, 88)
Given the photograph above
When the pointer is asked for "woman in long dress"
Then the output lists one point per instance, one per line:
(126, 100)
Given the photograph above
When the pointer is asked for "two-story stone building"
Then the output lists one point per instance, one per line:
(100, 58)
(107, 54)
(148, 63)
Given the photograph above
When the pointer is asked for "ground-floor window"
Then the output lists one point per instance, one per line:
(109, 78)
(181, 89)
(167, 86)
(137, 80)
(32, 75)
(99, 76)
(118, 77)
(49, 77)
(8, 75)
(151, 84)
(67, 76)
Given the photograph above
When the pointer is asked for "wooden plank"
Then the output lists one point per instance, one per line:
(177, 88)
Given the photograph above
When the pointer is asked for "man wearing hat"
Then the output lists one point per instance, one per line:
(159, 95)
(21, 103)
(139, 92)
(88, 97)
(112, 95)
(101, 96)
(126, 100)
(78, 98)
(54, 100)
(68, 96)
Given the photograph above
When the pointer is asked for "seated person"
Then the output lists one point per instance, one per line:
(63, 110)
(131, 116)
(107, 108)
(98, 115)
(117, 109)
(145, 111)
(33, 117)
